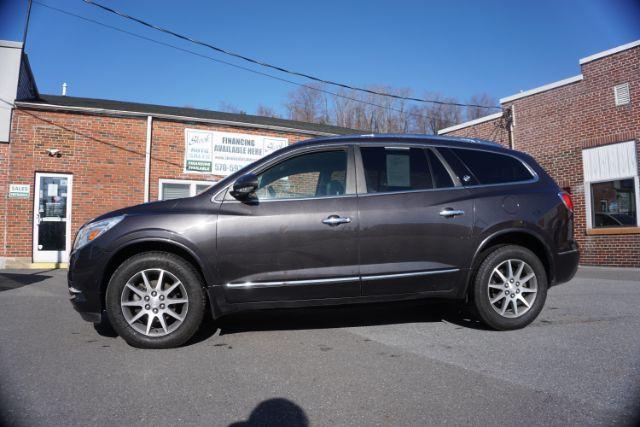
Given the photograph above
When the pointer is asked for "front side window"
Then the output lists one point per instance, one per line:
(493, 168)
(319, 174)
(613, 204)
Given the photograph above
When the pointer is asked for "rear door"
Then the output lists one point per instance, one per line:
(298, 239)
(415, 221)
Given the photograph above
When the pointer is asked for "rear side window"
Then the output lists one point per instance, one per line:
(493, 168)
(395, 169)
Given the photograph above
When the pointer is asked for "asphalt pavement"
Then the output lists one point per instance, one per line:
(408, 364)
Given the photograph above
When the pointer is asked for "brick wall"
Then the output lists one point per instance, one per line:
(105, 155)
(554, 126)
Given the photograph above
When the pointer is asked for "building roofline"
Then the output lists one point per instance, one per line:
(10, 44)
(470, 123)
(543, 88)
(121, 108)
(609, 52)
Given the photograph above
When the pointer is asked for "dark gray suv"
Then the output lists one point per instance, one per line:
(331, 221)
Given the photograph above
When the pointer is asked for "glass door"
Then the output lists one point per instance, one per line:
(52, 217)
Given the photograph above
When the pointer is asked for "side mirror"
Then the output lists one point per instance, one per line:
(244, 186)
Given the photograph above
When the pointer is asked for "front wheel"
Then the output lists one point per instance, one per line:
(155, 300)
(510, 288)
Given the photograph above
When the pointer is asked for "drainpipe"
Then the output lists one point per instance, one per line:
(511, 122)
(147, 159)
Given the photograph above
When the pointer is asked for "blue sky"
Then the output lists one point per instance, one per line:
(457, 48)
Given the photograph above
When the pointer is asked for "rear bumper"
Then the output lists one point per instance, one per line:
(566, 265)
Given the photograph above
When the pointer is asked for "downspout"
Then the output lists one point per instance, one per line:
(147, 159)
(511, 124)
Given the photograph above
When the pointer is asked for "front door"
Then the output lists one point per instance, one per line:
(415, 222)
(297, 240)
(52, 217)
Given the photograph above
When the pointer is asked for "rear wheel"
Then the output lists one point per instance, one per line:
(155, 300)
(510, 288)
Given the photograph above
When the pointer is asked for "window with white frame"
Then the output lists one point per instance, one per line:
(177, 188)
(611, 186)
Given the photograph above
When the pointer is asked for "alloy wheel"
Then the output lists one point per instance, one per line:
(512, 288)
(154, 302)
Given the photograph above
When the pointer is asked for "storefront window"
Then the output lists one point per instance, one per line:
(613, 204)
(176, 188)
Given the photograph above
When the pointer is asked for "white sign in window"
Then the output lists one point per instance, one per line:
(178, 188)
(611, 185)
(223, 153)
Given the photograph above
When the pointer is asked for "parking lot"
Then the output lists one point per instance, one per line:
(392, 364)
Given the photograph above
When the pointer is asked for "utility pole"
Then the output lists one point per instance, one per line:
(26, 25)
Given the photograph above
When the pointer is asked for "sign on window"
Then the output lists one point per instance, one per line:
(223, 153)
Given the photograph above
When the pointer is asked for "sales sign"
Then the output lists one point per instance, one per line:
(223, 153)
(19, 191)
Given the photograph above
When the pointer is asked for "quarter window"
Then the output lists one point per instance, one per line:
(319, 174)
(395, 169)
(493, 168)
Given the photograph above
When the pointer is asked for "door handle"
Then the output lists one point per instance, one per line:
(334, 220)
(449, 213)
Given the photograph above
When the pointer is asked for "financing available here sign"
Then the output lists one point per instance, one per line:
(223, 153)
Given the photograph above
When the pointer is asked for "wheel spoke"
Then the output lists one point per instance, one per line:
(176, 301)
(159, 282)
(149, 322)
(498, 298)
(162, 323)
(496, 286)
(135, 290)
(147, 285)
(175, 315)
(526, 278)
(138, 303)
(172, 288)
(137, 316)
(515, 307)
(529, 290)
(502, 277)
(505, 305)
(519, 271)
(524, 301)
(509, 268)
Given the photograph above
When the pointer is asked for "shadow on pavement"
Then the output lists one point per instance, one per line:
(10, 281)
(350, 316)
(275, 412)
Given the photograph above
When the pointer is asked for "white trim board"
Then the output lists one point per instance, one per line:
(470, 123)
(543, 88)
(609, 52)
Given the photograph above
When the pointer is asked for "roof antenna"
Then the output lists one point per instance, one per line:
(64, 89)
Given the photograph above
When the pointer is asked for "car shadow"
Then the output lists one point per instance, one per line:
(10, 281)
(344, 316)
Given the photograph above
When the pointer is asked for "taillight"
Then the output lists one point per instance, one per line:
(566, 199)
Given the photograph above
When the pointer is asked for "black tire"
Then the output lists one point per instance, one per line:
(178, 267)
(481, 298)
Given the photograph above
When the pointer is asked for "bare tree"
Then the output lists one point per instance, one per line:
(266, 111)
(308, 105)
(228, 107)
(483, 99)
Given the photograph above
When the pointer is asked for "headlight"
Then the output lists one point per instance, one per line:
(93, 230)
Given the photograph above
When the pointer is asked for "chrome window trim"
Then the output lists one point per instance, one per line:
(412, 274)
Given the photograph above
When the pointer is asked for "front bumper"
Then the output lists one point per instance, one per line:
(84, 278)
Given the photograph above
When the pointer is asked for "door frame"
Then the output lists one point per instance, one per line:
(41, 256)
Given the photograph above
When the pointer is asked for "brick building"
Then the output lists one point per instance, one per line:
(66, 160)
(584, 131)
